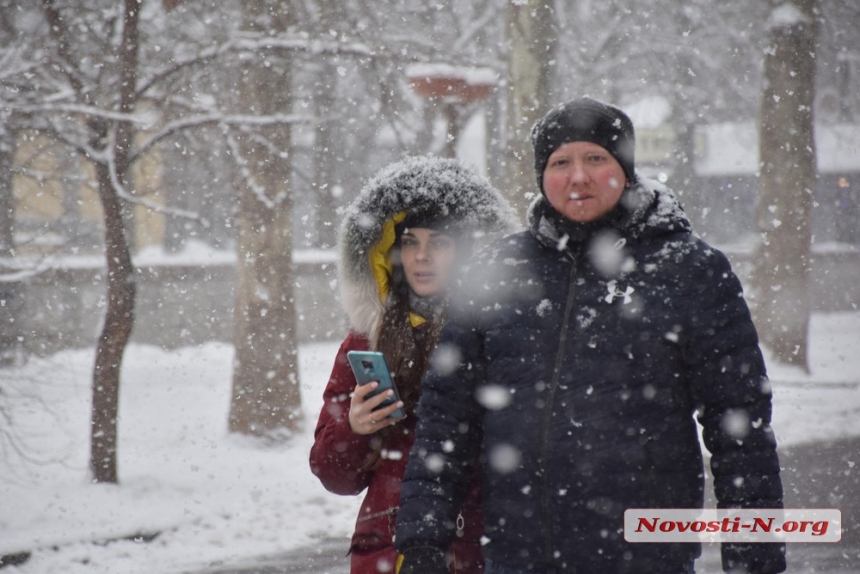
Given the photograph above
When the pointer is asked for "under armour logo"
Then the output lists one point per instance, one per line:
(614, 292)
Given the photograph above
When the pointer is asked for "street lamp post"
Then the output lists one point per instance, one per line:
(454, 89)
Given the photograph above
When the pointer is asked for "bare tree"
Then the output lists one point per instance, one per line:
(8, 137)
(265, 392)
(265, 397)
(11, 305)
(97, 93)
(110, 141)
(787, 180)
(328, 132)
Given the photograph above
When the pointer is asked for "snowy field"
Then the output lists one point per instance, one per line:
(217, 499)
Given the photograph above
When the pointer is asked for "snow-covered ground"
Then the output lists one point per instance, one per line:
(215, 498)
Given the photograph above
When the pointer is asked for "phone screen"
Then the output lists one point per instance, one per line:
(371, 366)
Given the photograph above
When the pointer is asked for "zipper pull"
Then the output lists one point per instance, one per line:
(461, 523)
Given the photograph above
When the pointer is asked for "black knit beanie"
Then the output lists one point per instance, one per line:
(435, 219)
(585, 119)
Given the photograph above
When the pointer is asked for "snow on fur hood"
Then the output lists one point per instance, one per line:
(412, 185)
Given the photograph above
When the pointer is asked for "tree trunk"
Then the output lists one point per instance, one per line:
(684, 173)
(7, 200)
(265, 397)
(116, 331)
(327, 168)
(529, 91)
(11, 301)
(685, 114)
(121, 289)
(787, 181)
(325, 162)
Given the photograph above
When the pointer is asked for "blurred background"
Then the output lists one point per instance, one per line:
(174, 172)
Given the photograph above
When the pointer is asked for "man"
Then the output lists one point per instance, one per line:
(575, 357)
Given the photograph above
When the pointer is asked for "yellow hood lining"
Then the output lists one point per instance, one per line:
(379, 256)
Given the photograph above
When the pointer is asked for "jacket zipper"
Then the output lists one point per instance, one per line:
(556, 375)
(387, 512)
(391, 513)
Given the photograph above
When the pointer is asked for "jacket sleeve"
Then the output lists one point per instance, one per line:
(447, 439)
(729, 384)
(337, 453)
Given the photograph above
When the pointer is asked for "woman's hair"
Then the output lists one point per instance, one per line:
(408, 355)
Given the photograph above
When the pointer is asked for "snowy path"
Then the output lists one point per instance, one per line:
(816, 475)
(217, 499)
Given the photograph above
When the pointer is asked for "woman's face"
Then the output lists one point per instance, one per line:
(427, 256)
(583, 181)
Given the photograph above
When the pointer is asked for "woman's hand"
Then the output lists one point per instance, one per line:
(363, 419)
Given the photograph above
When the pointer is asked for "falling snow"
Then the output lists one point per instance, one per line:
(182, 475)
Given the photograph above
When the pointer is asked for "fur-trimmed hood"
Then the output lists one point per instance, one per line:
(411, 185)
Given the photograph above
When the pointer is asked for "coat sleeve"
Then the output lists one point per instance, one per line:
(729, 384)
(447, 439)
(337, 453)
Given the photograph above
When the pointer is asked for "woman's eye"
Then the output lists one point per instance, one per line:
(441, 244)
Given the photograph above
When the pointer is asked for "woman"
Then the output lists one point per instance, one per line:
(400, 244)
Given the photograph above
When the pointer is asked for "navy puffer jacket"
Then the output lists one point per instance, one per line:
(573, 363)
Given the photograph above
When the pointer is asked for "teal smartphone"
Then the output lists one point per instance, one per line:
(371, 366)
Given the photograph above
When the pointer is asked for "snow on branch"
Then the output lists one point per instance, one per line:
(258, 190)
(173, 127)
(125, 195)
(90, 111)
(179, 65)
(249, 42)
(257, 42)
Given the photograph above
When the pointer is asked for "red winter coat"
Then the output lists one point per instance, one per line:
(338, 454)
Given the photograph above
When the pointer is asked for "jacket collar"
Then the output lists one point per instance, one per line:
(648, 208)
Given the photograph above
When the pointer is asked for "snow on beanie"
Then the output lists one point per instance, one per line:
(585, 119)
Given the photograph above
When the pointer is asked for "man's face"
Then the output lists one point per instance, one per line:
(583, 181)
